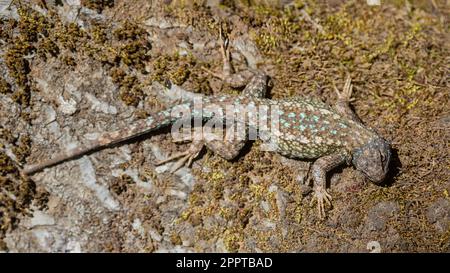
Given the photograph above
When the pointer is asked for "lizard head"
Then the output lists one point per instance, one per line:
(373, 159)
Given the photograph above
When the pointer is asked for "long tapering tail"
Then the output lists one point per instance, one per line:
(141, 127)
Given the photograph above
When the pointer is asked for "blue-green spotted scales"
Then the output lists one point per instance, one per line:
(308, 129)
(311, 129)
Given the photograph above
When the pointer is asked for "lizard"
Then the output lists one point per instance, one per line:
(308, 129)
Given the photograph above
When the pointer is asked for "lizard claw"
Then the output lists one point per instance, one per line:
(346, 94)
(212, 73)
(185, 158)
(321, 196)
(224, 43)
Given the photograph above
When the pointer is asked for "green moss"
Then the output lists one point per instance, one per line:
(175, 239)
(130, 91)
(31, 27)
(200, 83)
(32, 24)
(180, 75)
(6, 135)
(99, 33)
(134, 53)
(6, 27)
(22, 190)
(387, 47)
(278, 30)
(173, 67)
(197, 16)
(118, 76)
(129, 31)
(22, 148)
(98, 5)
(120, 185)
(70, 36)
(6, 165)
(232, 239)
(22, 96)
(68, 60)
(17, 65)
(131, 96)
(47, 48)
(127, 45)
(135, 45)
(5, 87)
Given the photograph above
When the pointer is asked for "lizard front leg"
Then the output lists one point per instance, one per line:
(228, 74)
(222, 146)
(319, 170)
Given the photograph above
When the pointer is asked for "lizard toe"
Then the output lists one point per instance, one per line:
(322, 197)
(185, 158)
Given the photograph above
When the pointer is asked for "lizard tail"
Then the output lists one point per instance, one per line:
(141, 127)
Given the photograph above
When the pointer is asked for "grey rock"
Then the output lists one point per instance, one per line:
(438, 214)
(41, 219)
(380, 214)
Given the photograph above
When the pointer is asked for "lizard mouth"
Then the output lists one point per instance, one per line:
(378, 175)
(375, 178)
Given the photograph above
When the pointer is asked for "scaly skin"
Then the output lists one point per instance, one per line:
(308, 129)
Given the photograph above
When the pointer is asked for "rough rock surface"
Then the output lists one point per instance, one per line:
(71, 71)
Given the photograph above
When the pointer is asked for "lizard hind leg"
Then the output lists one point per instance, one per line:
(342, 105)
(185, 158)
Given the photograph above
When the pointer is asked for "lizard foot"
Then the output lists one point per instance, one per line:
(346, 94)
(227, 68)
(184, 158)
(321, 196)
(214, 74)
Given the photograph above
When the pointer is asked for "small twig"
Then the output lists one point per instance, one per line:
(427, 85)
(311, 21)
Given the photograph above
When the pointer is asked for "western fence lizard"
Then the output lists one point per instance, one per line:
(306, 129)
